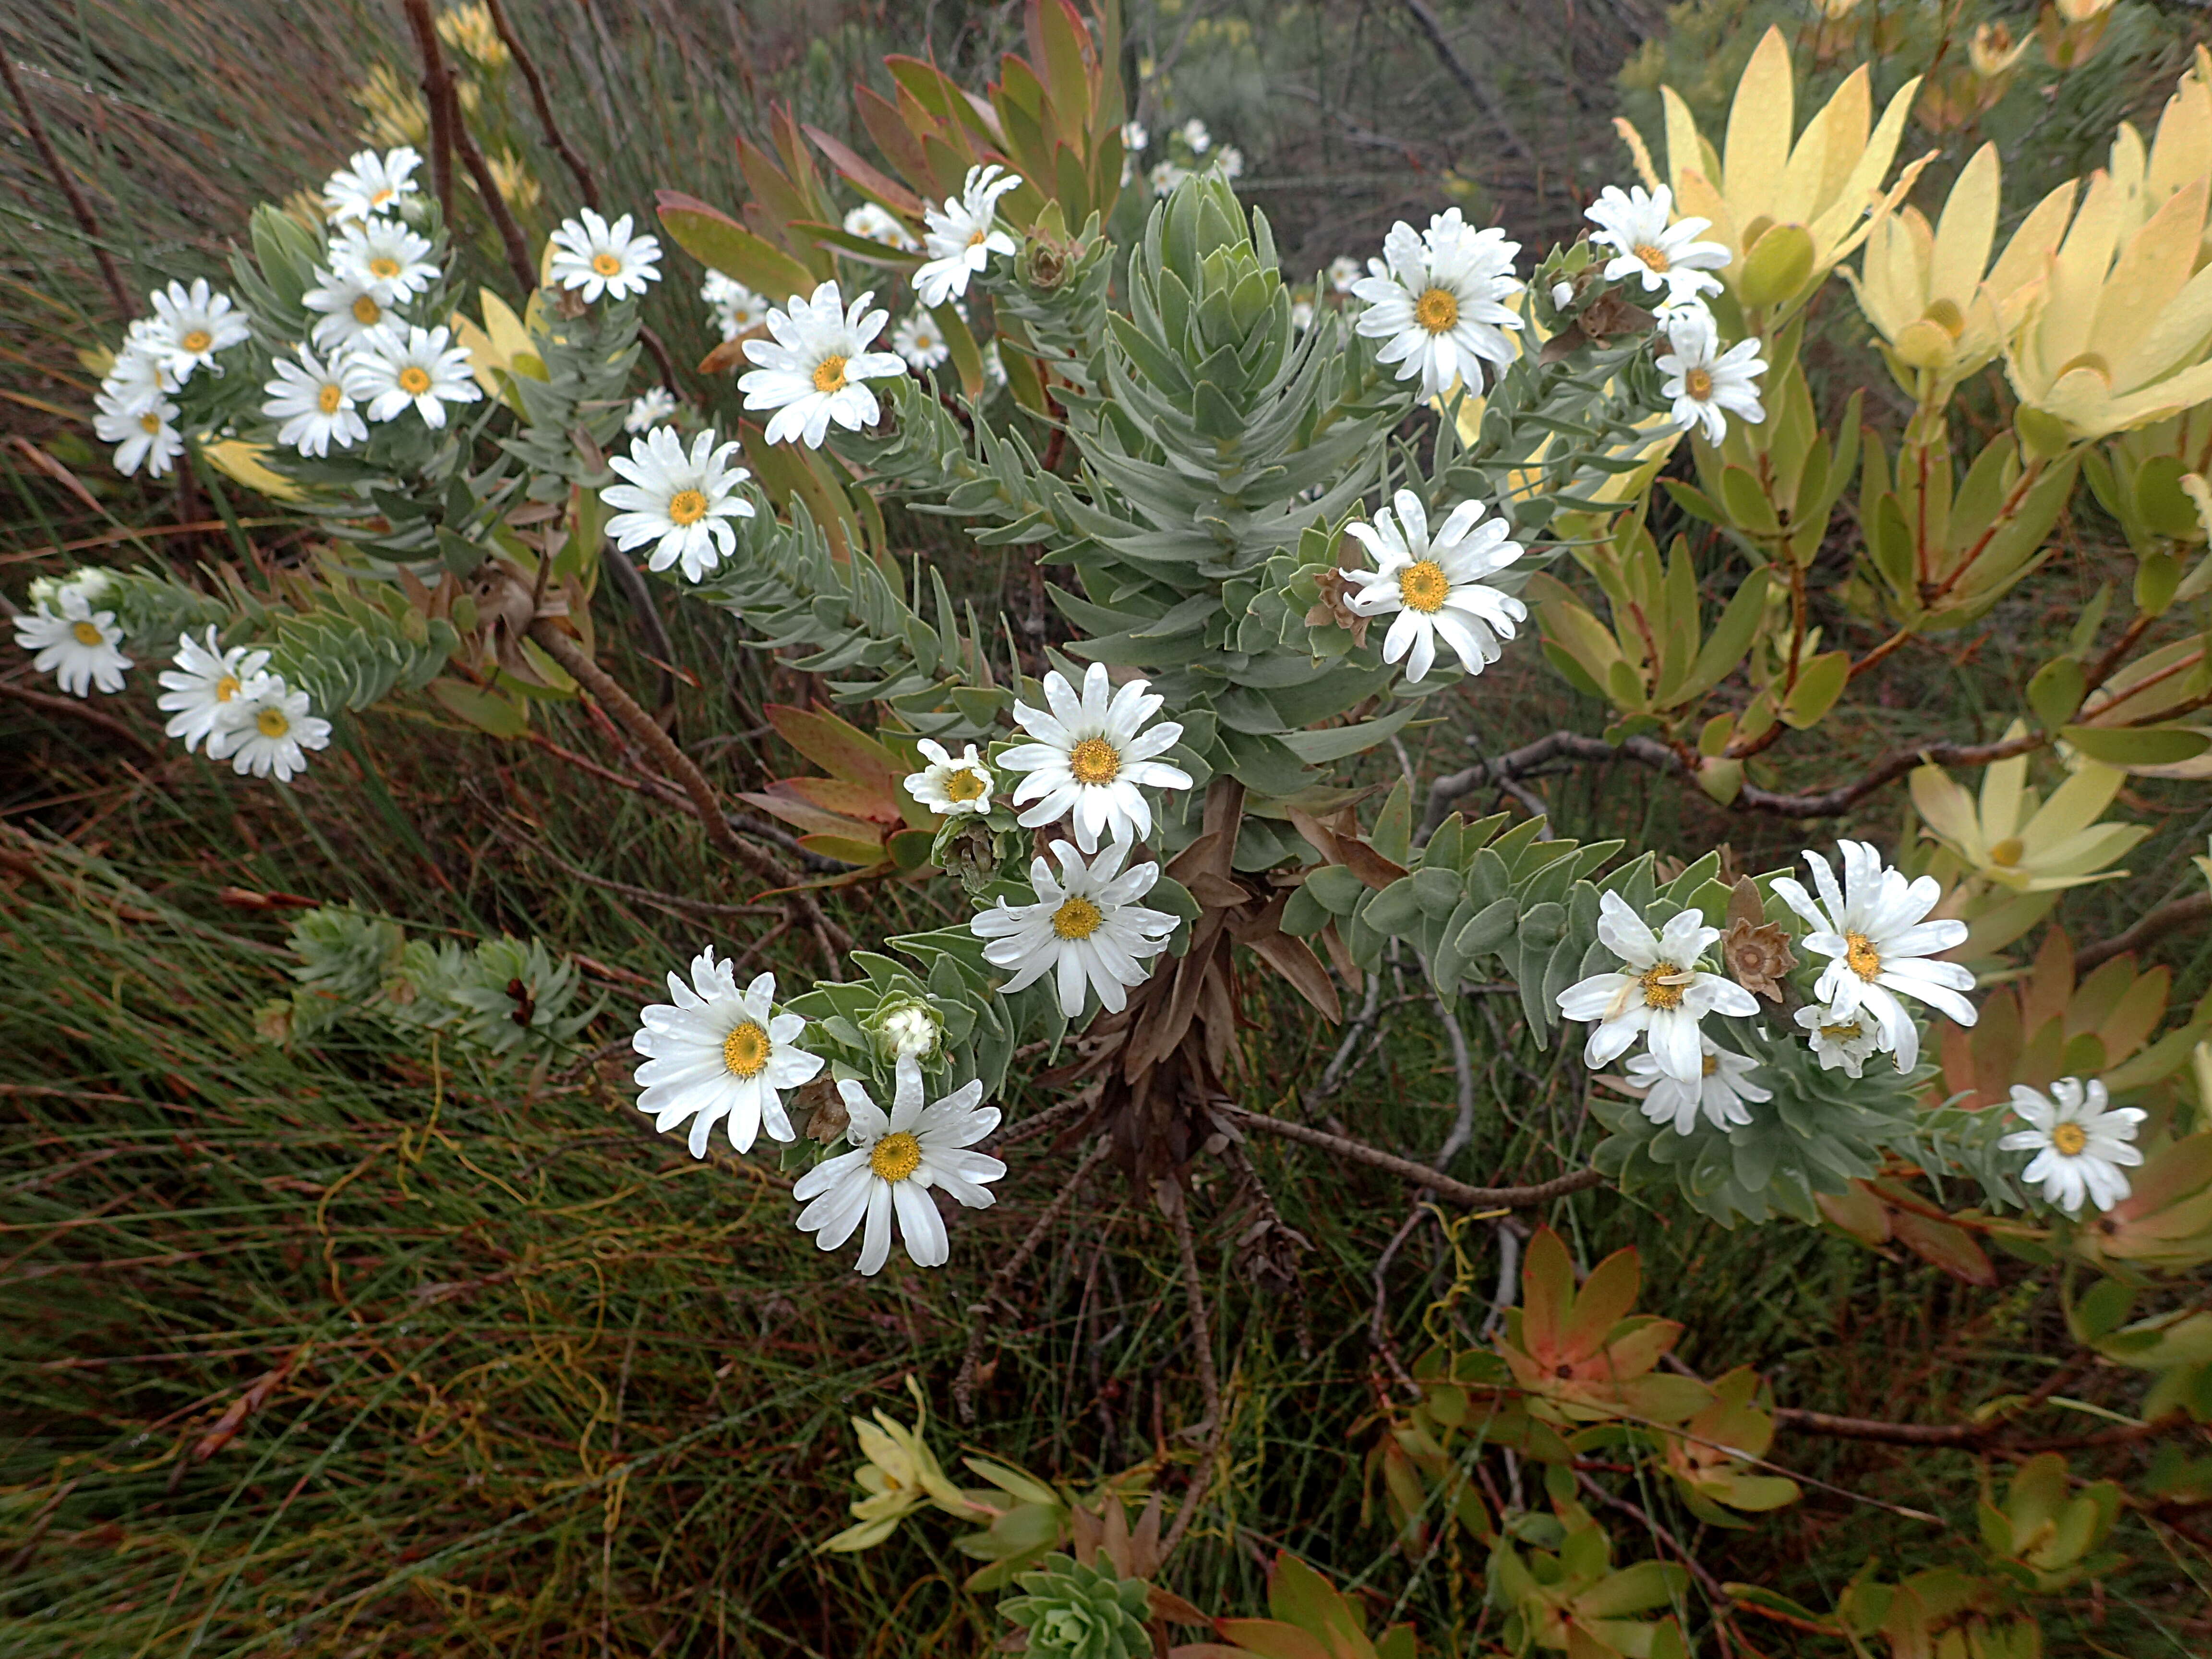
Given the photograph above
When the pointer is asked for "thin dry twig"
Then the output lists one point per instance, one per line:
(543, 104)
(438, 87)
(963, 1381)
(2154, 925)
(438, 94)
(1194, 1290)
(82, 710)
(80, 209)
(1421, 1175)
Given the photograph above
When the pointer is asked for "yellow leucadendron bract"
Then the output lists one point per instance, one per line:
(2011, 839)
(2118, 334)
(1787, 212)
(1924, 290)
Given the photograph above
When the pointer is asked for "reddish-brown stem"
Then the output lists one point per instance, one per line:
(438, 94)
(1880, 652)
(2104, 665)
(2028, 477)
(2154, 924)
(436, 75)
(543, 104)
(80, 209)
(1418, 1174)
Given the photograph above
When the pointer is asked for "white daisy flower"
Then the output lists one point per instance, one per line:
(191, 324)
(1165, 176)
(311, 399)
(921, 342)
(271, 731)
(1434, 584)
(1667, 257)
(1133, 137)
(597, 257)
(737, 309)
(649, 407)
(386, 255)
(681, 503)
(391, 372)
(879, 224)
(951, 787)
(1086, 928)
(371, 184)
(1702, 382)
(143, 436)
(1302, 314)
(961, 237)
(1193, 133)
(207, 689)
(814, 369)
(1840, 1041)
(77, 644)
(354, 307)
(2079, 1145)
(1343, 271)
(715, 1053)
(1663, 996)
(136, 381)
(1720, 1094)
(1437, 302)
(1091, 760)
(1871, 928)
(1230, 161)
(896, 1158)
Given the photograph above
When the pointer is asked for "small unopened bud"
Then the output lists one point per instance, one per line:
(907, 1027)
(1563, 294)
(1045, 262)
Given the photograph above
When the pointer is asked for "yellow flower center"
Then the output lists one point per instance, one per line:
(329, 398)
(1424, 587)
(367, 312)
(1077, 918)
(414, 381)
(830, 374)
(744, 1051)
(1654, 258)
(687, 507)
(384, 266)
(226, 688)
(1847, 1033)
(1699, 383)
(197, 339)
(2071, 1138)
(606, 264)
(86, 634)
(976, 241)
(381, 196)
(962, 784)
(1663, 984)
(1438, 310)
(149, 423)
(1865, 961)
(2007, 852)
(1094, 760)
(271, 723)
(895, 1157)
(1712, 1064)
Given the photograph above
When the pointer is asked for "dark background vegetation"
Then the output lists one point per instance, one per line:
(357, 1350)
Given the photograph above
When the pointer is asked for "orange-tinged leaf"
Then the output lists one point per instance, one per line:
(855, 801)
(1606, 1295)
(1300, 1597)
(837, 746)
(1547, 1291)
(845, 849)
(802, 814)
(1636, 1352)
(1943, 1245)
(715, 238)
(886, 189)
(1270, 1639)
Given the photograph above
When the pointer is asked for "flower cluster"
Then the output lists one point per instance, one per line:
(245, 714)
(1192, 149)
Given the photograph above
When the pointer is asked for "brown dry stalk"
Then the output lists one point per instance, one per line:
(963, 1381)
(1419, 1175)
(438, 87)
(642, 726)
(543, 104)
(80, 209)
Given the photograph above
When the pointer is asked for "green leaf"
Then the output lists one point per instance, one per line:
(1820, 682)
(1747, 502)
(486, 710)
(1336, 742)
(1777, 267)
(713, 238)
(1393, 826)
(2150, 745)
(2056, 692)
(1724, 648)
(2163, 509)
